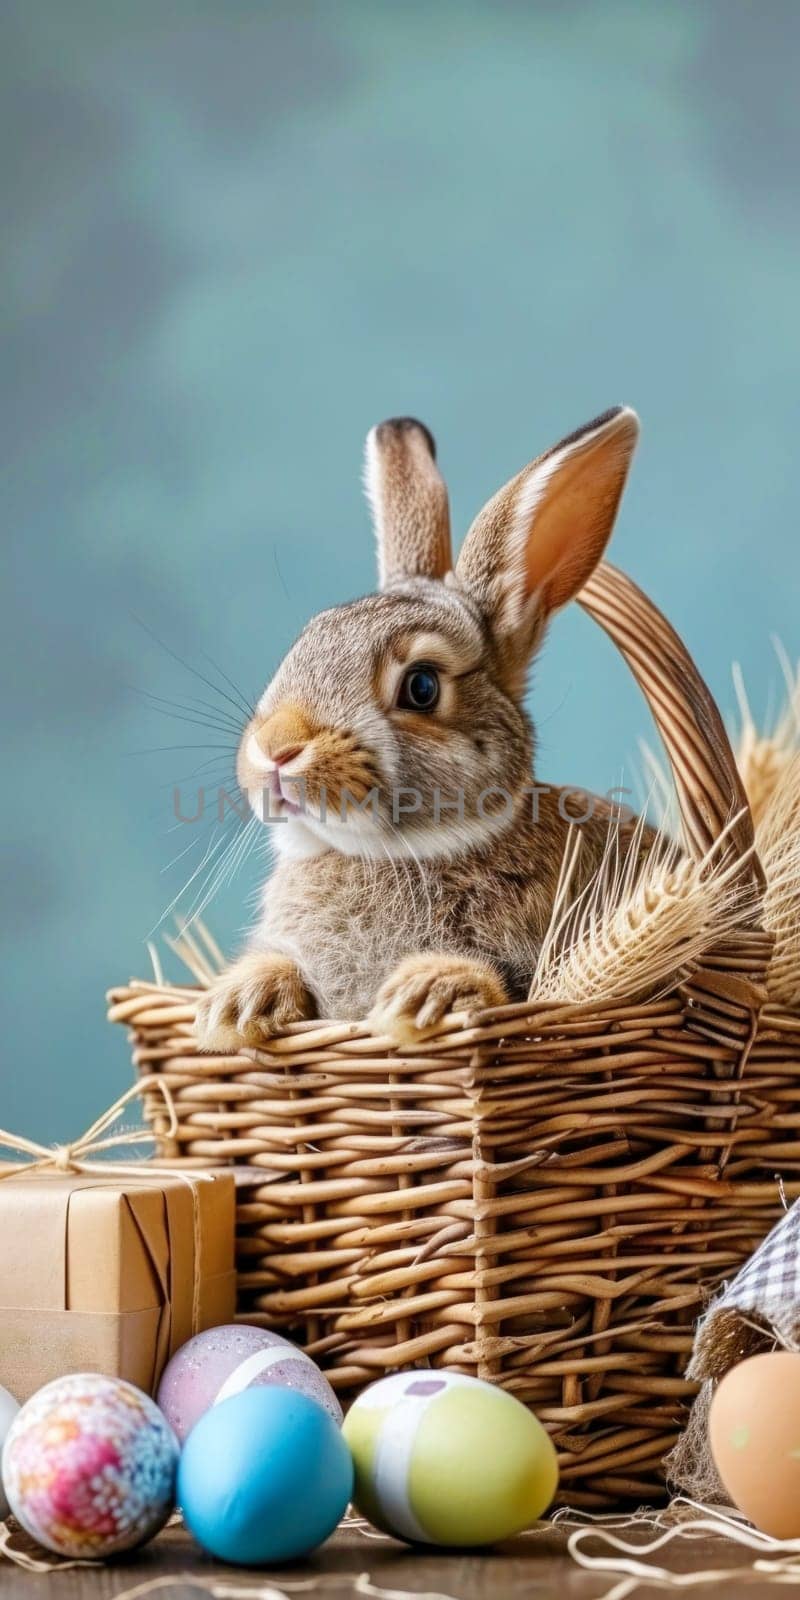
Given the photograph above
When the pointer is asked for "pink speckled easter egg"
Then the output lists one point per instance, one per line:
(89, 1466)
(222, 1361)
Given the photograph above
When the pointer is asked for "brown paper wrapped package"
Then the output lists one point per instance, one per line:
(110, 1273)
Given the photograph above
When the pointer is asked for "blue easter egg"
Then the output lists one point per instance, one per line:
(265, 1476)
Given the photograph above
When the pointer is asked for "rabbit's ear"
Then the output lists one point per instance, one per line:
(408, 500)
(535, 545)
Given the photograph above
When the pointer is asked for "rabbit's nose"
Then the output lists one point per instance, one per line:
(281, 756)
(285, 733)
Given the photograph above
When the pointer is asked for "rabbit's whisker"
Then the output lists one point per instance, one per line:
(181, 853)
(158, 749)
(240, 704)
(186, 714)
(208, 855)
(191, 702)
(236, 848)
(223, 762)
(197, 838)
(194, 706)
(249, 709)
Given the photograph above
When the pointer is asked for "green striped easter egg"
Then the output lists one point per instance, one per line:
(448, 1460)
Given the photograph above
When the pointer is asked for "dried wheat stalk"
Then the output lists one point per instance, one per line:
(196, 947)
(778, 845)
(638, 923)
(762, 758)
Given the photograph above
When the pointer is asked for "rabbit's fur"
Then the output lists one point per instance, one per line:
(416, 865)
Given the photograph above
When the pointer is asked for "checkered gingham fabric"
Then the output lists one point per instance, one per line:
(769, 1283)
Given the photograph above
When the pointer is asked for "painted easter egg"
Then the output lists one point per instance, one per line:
(754, 1434)
(264, 1477)
(89, 1466)
(217, 1364)
(449, 1460)
(8, 1410)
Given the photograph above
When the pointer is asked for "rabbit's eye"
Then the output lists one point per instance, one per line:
(419, 690)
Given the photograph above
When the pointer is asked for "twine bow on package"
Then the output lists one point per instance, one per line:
(758, 1310)
(108, 1266)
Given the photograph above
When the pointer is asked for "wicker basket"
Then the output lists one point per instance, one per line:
(541, 1196)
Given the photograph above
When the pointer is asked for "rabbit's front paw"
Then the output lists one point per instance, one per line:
(424, 988)
(257, 997)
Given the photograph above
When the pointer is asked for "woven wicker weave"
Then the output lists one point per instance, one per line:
(540, 1196)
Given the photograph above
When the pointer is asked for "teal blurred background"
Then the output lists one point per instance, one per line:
(237, 233)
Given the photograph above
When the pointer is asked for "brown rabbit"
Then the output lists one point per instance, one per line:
(417, 863)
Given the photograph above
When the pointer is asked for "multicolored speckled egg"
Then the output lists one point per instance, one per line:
(89, 1466)
(448, 1460)
(221, 1362)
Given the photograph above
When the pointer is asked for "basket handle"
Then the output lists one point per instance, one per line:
(709, 787)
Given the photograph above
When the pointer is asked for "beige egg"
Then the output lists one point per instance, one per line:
(754, 1433)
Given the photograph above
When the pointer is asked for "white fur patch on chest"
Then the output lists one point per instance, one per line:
(346, 923)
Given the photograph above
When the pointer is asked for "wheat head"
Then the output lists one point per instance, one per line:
(638, 925)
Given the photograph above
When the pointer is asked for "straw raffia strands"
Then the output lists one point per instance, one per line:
(104, 1134)
(279, 1588)
(776, 1561)
(544, 1195)
(684, 1521)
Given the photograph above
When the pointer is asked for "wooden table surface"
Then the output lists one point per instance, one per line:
(533, 1567)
